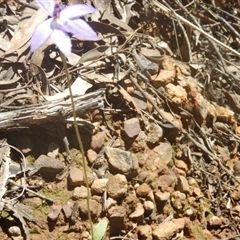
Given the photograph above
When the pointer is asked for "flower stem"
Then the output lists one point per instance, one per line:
(79, 142)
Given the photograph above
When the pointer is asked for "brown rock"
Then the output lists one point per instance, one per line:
(155, 133)
(161, 196)
(215, 221)
(143, 190)
(117, 186)
(99, 186)
(67, 210)
(145, 232)
(98, 141)
(139, 211)
(79, 192)
(166, 230)
(176, 93)
(182, 185)
(91, 155)
(76, 177)
(235, 195)
(164, 77)
(95, 207)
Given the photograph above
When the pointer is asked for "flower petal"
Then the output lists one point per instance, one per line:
(76, 10)
(41, 33)
(80, 28)
(47, 5)
(63, 41)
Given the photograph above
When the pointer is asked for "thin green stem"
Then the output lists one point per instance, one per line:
(79, 142)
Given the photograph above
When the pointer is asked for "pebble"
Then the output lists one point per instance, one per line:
(236, 168)
(67, 210)
(54, 212)
(143, 190)
(155, 133)
(148, 206)
(95, 208)
(79, 193)
(75, 177)
(14, 231)
(47, 166)
(122, 161)
(165, 152)
(99, 186)
(132, 127)
(161, 196)
(117, 186)
(215, 221)
(144, 231)
(182, 185)
(98, 141)
(91, 155)
(53, 150)
(168, 229)
(139, 211)
(117, 212)
(178, 199)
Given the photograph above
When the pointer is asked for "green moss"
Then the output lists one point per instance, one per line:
(30, 159)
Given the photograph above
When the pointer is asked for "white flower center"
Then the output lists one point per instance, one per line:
(57, 23)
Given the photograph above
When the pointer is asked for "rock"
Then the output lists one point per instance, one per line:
(143, 190)
(148, 206)
(182, 165)
(117, 186)
(14, 231)
(117, 212)
(145, 232)
(122, 161)
(178, 200)
(236, 168)
(235, 195)
(166, 230)
(176, 93)
(67, 210)
(155, 133)
(99, 186)
(53, 150)
(54, 212)
(215, 221)
(139, 211)
(95, 208)
(164, 77)
(132, 127)
(165, 152)
(161, 196)
(76, 177)
(47, 166)
(167, 180)
(182, 185)
(79, 192)
(98, 141)
(91, 155)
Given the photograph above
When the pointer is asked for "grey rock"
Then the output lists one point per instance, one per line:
(47, 166)
(117, 186)
(14, 231)
(67, 210)
(117, 212)
(122, 161)
(155, 133)
(79, 193)
(132, 127)
(165, 152)
(54, 212)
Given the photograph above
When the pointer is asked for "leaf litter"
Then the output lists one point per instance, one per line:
(165, 71)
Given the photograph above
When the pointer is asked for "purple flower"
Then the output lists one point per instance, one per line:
(62, 21)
